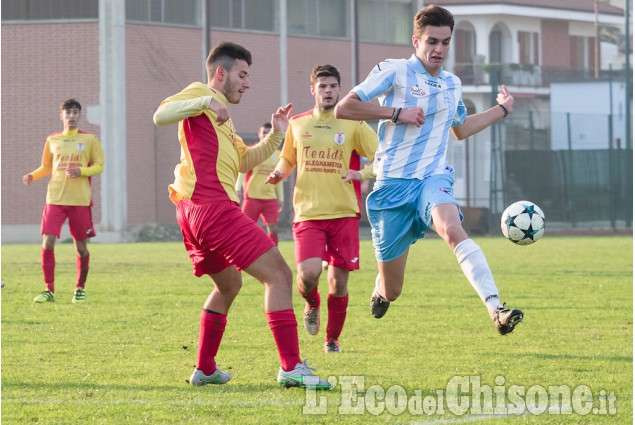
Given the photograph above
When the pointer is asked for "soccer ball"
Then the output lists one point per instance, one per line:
(523, 223)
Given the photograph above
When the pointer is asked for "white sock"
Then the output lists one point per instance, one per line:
(377, 291)
(475, 267)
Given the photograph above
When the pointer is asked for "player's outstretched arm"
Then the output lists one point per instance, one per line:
(477, 122)
(352, 108)
(280, 119)
(261, 151)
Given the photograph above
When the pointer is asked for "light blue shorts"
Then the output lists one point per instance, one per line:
(399, 211)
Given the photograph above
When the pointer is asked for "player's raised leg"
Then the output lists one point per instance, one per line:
(388, 284)
(447, 224)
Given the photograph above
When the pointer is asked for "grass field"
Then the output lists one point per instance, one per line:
(125, 355)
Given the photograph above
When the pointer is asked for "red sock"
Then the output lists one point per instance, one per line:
(210, 334)
(48, 268)
(274, 238)
(313, 297)
(82, 271)
(285, 333)
(337, 315)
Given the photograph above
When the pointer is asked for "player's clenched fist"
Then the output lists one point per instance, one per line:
(274, 177)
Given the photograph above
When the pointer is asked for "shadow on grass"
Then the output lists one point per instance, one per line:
(227, 389)
(544, 356)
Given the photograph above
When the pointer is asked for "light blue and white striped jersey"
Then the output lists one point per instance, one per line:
(407, 151)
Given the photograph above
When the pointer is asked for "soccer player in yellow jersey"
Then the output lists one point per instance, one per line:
(220, 240)
(262, 200)
(71, 157)
(327, 153)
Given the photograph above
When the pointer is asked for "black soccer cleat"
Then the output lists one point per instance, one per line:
(506, 319)
(378, 305)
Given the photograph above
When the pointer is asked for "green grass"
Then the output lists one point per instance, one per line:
(124, 356)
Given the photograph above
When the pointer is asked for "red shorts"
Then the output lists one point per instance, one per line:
(265, 208)
(219, 235)
(80, 221)
(335, 241)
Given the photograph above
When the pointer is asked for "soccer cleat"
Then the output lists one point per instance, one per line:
(302, 376)
(332, 346)
(218, 377)
(311, 320)
(506, 319)
(79, 296)
(45, 296)
(378, 305)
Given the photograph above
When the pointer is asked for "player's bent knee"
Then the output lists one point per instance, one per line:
(310, 278)
(453, 234)
(282, 276)
(392, 294)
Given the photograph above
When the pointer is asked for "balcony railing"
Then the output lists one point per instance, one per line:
(524, 75)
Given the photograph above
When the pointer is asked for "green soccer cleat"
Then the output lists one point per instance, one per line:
(302, 376)
(79, 296)
(45, 296)
(199, 378)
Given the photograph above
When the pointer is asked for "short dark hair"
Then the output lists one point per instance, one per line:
(225, 54)
(434, 16)
(266, 125)
(70, 104)
(324, 71)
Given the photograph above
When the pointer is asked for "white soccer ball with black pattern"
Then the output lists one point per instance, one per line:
(523, 223)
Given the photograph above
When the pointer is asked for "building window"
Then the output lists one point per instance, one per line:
(322, 18)
(180, 12)
(46, 10)
(258, 15)
(385, 21)
(528, 47)
(577, 52)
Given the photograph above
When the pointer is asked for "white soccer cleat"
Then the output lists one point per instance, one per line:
(311, 320)
(302, 376)
(218, 377)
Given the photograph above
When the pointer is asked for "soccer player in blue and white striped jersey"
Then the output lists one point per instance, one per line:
(419, 104)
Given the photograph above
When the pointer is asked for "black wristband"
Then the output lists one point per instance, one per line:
(504, 111)
(395, 115)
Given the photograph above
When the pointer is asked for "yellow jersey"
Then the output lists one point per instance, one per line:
(65, 150)
(323, 148)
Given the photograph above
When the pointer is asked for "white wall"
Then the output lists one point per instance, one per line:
(588, 106)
